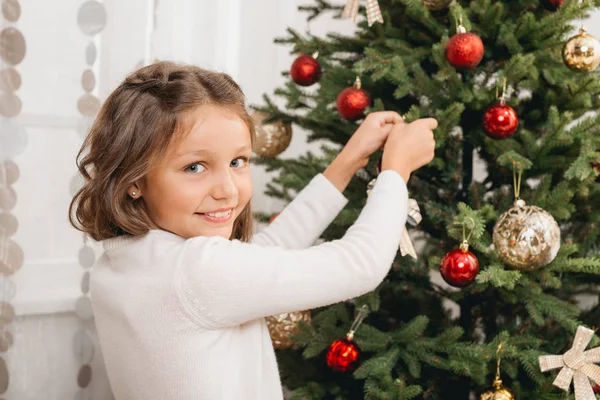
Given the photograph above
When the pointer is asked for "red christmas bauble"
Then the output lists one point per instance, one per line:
(351, 103)
(343, 355)
(305, 70)
(597, 168)
(459, 267)
(273, 218)
(500, 121)
(596, 388)
(552, 5)
(464, 50)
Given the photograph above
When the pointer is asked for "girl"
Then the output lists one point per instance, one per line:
(180, 293)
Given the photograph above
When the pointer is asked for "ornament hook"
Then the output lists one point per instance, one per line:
(502, 97)
(517, 180)
(464, 246)
(459, 24)
(498, 357)
(362, 313)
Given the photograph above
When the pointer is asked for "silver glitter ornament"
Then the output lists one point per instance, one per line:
(526, 237)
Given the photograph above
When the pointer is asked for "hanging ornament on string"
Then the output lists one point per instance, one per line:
(464, 49)
(460, 267)
(552, 5)
(271, 139)
(413, 218)
(373, 11)
(500, 121)
(576, 365)
(526, 237)
(344, 354)
(306, 70)
(352, 101)
(436, 5)
(581, 53)
(597, 168)
(282, 327)
(498, 392)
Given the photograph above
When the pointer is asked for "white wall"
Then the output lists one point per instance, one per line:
(234, 36)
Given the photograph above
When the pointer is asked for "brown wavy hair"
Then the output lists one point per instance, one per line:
(135, 125)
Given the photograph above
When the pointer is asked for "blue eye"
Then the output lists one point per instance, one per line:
(195, 168)
(242, 162)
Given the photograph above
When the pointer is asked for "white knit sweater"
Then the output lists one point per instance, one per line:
(183, 319)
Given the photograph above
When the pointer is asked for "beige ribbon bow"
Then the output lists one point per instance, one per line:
(373, 11)
(414, 218)
(577, 366)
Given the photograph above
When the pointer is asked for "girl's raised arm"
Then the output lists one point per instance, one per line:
(226, 283)
(303, 221)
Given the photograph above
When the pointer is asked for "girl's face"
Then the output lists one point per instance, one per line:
(203, 183)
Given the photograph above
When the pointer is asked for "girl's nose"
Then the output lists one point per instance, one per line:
(224, 186)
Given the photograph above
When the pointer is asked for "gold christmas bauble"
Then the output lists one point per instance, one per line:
(498, 392)
(526, 237)
(283, 325)
(436, 5)
(270, 139)
(582, 52)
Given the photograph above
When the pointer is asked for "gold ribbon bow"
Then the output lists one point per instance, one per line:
(414, 218)
(373, 11)
(577, 366)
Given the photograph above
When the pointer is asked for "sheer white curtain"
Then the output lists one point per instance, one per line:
(233, 36)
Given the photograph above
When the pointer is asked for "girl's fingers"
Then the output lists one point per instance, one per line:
(389, 117)
(430, 123)
(387, 128)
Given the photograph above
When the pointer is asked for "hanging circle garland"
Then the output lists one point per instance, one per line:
(91, 19)
(13, 141)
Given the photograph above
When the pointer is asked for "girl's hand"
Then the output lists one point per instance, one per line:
(409, 147)
(370, 136)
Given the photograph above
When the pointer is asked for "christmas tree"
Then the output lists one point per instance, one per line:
(514, 88)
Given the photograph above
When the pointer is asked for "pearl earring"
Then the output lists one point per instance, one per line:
(133, 193)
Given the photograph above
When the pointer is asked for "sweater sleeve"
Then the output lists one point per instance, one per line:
(301, 223)
(223, 283)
